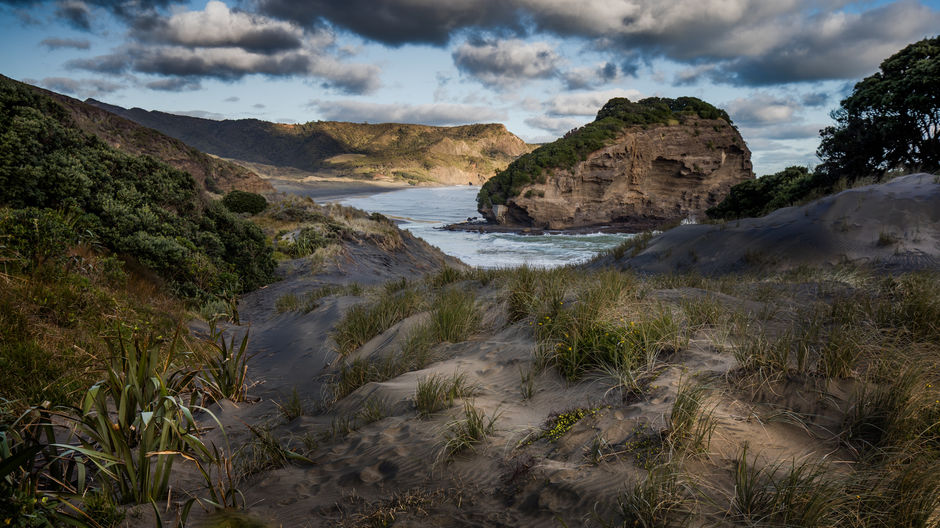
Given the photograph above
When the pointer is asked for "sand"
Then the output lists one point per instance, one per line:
(394, 465)
(894, 226)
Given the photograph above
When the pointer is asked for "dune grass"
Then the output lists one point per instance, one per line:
(437, 392)
(467, 433)
(365, 321)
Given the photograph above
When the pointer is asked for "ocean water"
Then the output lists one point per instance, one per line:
(423, 210)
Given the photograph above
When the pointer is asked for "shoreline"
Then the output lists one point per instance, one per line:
(333, 190)
(482, 226)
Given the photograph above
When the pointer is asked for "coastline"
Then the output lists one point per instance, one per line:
(482, 226)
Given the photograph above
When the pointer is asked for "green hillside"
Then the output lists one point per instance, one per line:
(59, 185)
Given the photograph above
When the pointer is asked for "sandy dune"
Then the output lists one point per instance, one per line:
(895, 226)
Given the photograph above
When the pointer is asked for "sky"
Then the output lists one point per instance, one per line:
(541, 67)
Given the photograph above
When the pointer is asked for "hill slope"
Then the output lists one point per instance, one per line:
(388, 151)
(127, 136)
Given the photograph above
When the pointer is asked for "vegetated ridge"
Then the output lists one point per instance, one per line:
(212, 174)
(389, 151)
(638, 164)
(60, 185)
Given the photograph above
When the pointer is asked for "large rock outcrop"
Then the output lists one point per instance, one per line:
(646, 175)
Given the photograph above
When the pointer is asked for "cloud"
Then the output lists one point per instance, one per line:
(815, 99)
(224, 44)
(201, 114)
(176, 84)
(397, 22)
(57, 43)
(218, 26)
(747, 42)
(556, 125)
(259, 106)
(232, 99)
(783, 131)
(80, 87)
(590, 77)
(585, 103)
(504, 63)
(438, 114)
(75, 13)
(762, 109)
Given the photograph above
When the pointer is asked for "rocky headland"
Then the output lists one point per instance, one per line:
(638, 165)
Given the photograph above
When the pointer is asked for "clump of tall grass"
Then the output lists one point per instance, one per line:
(223, 366)
(467, 433)
(661, 500)
(454, 316)
(365, 321)
(691, 423)
(437, 392)
(802, 494)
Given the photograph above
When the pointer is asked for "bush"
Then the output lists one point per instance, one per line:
(244, 202)
(755, 198)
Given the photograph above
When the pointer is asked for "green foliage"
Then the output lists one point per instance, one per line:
(365, 321)
(760, 196)
(437, 392)
(559, 424)
(244, 202)
(134, 205)
(565, 152)
(891, 120)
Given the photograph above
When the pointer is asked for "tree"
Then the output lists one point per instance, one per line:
(891, 119)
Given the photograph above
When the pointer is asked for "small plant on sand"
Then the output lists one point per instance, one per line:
(467, 433)
(691, 424)
(802, 494)
(454, 316)
(437, 392)
(224, 365)
(705, 311)
(363, 322)
(372, 410)
(886, 239)
(289, 302)
(559, 424)
(661, 500)
(526, 383)
(293, 408)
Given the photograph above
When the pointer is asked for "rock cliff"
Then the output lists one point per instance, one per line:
(670, 165)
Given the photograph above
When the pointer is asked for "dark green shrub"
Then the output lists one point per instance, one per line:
(758, 197)
(244, 202)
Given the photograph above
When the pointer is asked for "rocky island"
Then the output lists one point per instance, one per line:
(636, 166)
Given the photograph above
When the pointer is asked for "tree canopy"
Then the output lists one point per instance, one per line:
(891, 119)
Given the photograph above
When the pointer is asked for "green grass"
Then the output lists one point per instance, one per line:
(436, 392)
(467, 433)
(365, 321)
(454, 316)
(691, 423)
(660, 500)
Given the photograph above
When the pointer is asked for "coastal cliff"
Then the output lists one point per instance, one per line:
(662, 160)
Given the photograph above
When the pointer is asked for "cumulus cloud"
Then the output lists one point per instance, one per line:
(438, 114)
(747, 42)
(397, 22)
(783, 131)
(218, 26)
(585, 103)
(590, 77)
(762, 109)
(225, 44)
(504, 63)
(80, 87)
(58, 43)
(75, 13)
(175, 84)
(558, 126)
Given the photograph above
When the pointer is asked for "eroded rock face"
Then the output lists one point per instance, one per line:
(650, 175)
